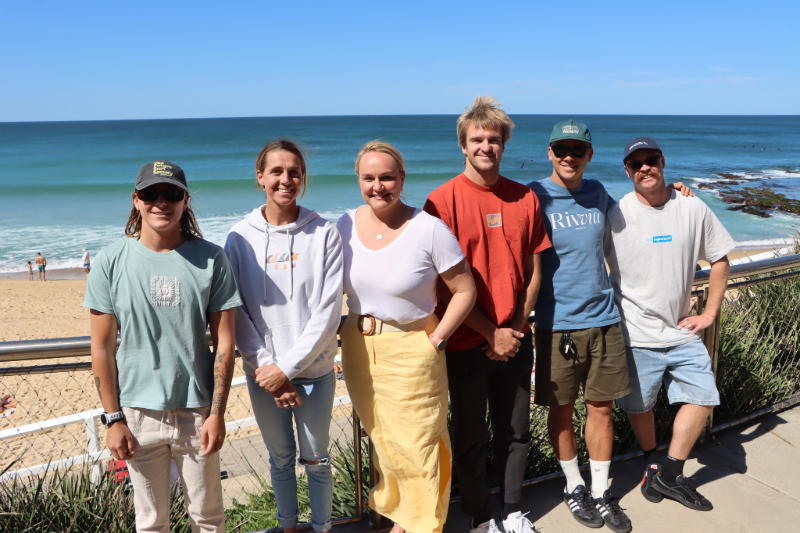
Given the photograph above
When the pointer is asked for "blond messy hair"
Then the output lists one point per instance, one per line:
(384, 148)
(484, 113)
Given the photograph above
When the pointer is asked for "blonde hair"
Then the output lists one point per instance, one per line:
(384, 148)
(284, 145)
(485, 113)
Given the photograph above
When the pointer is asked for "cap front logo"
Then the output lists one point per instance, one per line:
(569, 128)
(162, 169)
(637, 144)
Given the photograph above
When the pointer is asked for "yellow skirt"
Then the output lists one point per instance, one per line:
(397, 382)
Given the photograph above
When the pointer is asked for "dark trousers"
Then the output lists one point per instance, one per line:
(506, 386)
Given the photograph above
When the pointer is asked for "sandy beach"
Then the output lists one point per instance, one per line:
(53, 309)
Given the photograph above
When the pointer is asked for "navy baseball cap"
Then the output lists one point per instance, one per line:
(640, 143)
(161, 172)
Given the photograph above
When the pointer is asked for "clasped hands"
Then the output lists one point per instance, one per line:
(504, 344)
(273, 380)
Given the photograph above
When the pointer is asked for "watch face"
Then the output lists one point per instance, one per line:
(108, 418)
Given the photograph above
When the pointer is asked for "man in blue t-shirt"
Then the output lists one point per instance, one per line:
(578, 336)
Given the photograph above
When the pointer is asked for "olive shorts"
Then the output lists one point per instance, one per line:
(600, 365)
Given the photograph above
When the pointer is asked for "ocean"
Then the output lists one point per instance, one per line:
(67, 185)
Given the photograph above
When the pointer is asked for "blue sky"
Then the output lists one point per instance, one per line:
(137, 60)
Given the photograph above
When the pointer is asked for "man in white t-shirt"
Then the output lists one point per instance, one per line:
(86, 261)
(654, 237)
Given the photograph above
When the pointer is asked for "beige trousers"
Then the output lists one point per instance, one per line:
(160, 436)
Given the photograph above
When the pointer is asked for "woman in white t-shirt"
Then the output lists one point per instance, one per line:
(392, 342)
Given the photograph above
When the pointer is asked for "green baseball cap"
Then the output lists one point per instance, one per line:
(571, 129)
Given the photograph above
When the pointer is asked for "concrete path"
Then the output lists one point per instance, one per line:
(752, 477)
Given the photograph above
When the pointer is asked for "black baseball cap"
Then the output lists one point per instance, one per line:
(640, 143)
(161, 172)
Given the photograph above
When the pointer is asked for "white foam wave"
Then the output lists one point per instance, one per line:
(62, 245)
(761, 244)
(779, 174)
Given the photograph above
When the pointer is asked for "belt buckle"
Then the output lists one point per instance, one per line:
(360, 324)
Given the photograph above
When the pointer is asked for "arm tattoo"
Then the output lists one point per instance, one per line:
(222, 381)
(97, 384)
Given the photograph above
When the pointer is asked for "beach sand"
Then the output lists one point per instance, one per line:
(53, 309)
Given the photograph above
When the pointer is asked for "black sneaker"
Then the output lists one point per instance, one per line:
(650, 494)
(615, 518)
(683, 491)
(582, 507)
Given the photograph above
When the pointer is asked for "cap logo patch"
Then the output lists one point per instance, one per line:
(569, 128)
(637, 144)
(162, 169)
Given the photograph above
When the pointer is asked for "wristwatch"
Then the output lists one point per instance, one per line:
(440, 344)
(109, 418)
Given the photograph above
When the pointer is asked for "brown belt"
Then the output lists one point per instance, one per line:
(378, 326)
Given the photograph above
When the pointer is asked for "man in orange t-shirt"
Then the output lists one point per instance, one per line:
(499, 225)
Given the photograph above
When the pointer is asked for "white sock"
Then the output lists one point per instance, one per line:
(599, 477)
(572, 472)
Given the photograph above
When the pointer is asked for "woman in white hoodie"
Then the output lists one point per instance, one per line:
(287, 261)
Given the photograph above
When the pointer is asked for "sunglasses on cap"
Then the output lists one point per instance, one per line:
(151, 194)
(637, 164)
(561, 150)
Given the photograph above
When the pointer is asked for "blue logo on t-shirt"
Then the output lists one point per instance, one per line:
(660, 238)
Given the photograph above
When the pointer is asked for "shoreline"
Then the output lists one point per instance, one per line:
(57, 274)
(743, 250)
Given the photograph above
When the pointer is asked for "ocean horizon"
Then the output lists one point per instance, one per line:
(67, 185)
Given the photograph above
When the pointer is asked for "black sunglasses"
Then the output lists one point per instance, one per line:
(151, 194)
(561, 150)
(637, 164)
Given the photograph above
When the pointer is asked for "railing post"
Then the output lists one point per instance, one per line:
(377, 522)
(93, 447)
(710, 337)
(358, 466)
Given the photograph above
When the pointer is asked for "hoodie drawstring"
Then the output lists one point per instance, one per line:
(266, 264)
(290, 238)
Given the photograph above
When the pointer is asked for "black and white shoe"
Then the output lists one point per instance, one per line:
(650, 494)
(582, 507)
(613, 515)
(683, 491)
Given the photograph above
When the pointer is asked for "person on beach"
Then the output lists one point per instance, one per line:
(86, 262)
(490, 358)
(41, 263)
(654, 237)
(7, 405)
(392, 342)
(579, 339)
(288, 262)
(165, 392)
(30, 271)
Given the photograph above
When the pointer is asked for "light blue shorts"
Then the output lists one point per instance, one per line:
(685, 371)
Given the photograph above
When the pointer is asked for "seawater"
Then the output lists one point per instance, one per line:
(67, 185)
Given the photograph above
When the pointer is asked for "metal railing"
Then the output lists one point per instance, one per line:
(750, 284)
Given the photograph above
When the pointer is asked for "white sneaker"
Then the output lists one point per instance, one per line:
(517, 523)
(486, 527)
